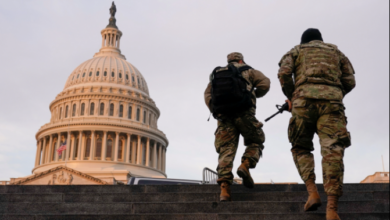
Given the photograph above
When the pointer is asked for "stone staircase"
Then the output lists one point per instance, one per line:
(169, 202)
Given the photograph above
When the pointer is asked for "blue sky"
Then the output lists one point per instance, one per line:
(176, 44)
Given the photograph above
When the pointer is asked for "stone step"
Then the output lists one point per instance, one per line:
(180, 197)
(377, 206)
(354, 216)
(178, 189)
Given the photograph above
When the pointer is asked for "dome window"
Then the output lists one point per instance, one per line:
(101, 108)
(66, 111)
(92, 108)
(121, 111)
(83, 74)
(133, 78)
(130, 112)
(112, 109)
(60, 115)
(82, 109)
(138, 114)
(97, 73)
(144, 117)
(127, 77)
(73, 78)
(105, 73)
(112, 74)
(120, 75)
(74, 110)
(90, 73)
(78, 76)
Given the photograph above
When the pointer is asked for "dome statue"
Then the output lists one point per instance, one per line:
(105, 119)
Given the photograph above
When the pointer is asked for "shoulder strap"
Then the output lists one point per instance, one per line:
(213, 73)
(244, 68)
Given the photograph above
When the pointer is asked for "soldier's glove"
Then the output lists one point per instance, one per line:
(289, 105)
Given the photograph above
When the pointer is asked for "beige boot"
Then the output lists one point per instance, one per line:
(314, 200)
(225, 192)
(332, 208)
(243, 172)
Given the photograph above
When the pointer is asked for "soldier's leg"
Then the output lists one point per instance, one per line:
(226, 142)
(254, 138)
(301, 132)
(334, 138)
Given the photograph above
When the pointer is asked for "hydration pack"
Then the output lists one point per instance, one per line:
(229, 93)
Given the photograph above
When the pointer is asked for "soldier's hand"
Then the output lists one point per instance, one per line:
(289, 105)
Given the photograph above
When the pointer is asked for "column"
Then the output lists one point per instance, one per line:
(68, 146)
(164, 159)
(48, 160)
(128, 148)
(43, 155)
(155, 155)
(58, 145)
(103, 40)
(37, 154)
(82, 155)
(73, 146)
(104, 153)
(119, 41)
(159, 157)
(92, 146)
(139, 151)
(80, 143)
(147, 152)
(134, 150)
(114, 41)
(116, 147)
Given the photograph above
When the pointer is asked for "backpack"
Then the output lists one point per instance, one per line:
(229, 93)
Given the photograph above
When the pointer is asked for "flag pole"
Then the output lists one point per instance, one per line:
(67, 144)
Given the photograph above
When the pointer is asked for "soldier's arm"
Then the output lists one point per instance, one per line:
(348, 74)
(207, 96)
(261, 83)
(285, 74)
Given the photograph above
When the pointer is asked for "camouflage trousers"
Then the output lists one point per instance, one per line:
(226, 142)
(327, 119)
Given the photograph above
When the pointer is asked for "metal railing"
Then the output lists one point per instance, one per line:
(209, 176)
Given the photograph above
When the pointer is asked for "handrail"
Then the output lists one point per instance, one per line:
(209, 176)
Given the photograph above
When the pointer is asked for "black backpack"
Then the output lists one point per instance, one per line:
(229, 93)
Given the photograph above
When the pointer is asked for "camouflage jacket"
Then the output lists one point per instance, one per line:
(254, 77)
(316, 70)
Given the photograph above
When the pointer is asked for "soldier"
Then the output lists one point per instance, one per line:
(315, 76)
(235, 120)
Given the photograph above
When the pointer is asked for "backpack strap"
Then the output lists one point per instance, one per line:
(244, 68)
(213, 73)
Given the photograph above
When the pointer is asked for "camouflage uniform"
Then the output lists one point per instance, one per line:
(244, 123)
(322, 77)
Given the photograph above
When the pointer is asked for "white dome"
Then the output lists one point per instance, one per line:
(107, 71)
(106, 119)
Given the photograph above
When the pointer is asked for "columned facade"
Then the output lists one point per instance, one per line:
(96, 149)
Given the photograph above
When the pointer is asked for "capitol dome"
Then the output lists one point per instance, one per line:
(106, 119)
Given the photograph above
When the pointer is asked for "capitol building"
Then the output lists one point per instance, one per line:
(107, 120)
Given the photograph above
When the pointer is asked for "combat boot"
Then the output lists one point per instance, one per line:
(332, 208)
(243, 172)
(314, 200)
(225, 192)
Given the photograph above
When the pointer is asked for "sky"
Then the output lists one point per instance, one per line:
(176, 44)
